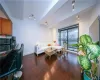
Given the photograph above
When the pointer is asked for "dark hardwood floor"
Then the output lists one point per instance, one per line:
(58, 67)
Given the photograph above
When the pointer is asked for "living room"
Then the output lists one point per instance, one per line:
(45, 24)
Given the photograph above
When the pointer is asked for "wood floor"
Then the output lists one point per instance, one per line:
(58, 67)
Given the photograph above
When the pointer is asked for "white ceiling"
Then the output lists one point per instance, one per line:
(65, 11)
(21, 9)
(73, 19)
(15, 8)
(37, 7)
(52, 11)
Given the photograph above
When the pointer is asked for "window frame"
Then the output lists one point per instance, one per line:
(68, 28)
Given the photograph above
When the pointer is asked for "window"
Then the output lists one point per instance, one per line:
(69, 36)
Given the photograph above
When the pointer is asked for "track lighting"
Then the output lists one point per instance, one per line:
(73, 8)
(78, 17)
(73, 5)
(73, 2)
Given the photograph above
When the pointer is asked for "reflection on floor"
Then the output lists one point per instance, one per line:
(58, 67)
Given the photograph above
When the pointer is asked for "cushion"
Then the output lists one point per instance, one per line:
(49, 44)
(44, 48)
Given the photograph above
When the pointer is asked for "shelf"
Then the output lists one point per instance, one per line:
(5, 37)
(5, 44)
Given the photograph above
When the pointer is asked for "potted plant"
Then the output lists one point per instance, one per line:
(88, 55)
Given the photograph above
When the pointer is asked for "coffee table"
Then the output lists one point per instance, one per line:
(50, 51)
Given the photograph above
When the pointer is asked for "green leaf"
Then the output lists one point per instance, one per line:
(84, 62)
(80, 49)
(75, 45)
(94, 51)
(97, 43)
(85, 39)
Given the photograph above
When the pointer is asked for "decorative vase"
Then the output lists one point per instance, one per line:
(86, 77)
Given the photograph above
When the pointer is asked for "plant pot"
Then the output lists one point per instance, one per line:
(86, 77)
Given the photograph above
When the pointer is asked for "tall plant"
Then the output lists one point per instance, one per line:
(89, 52)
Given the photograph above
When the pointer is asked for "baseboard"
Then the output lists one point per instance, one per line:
(27, 54)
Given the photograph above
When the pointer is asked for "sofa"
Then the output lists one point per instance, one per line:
(41, 47)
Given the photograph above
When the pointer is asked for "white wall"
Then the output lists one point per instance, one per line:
(54, 31)
(84, 22)
(94, 30)
(95, 13)
(29, 33)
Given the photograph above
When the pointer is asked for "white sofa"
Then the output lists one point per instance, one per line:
(40, 48)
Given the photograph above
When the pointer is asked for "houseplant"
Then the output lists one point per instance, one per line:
(89, 53)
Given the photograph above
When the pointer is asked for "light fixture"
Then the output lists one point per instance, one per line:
(46, 23)
(73, 5)
(73, 8)
(73, 2)
(32, 17)
(78, 17)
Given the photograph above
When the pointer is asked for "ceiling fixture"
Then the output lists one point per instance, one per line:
(78, 17)
(32, 17)
(46, 23)
(73, 5)
(73, 2)
(73, 8)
